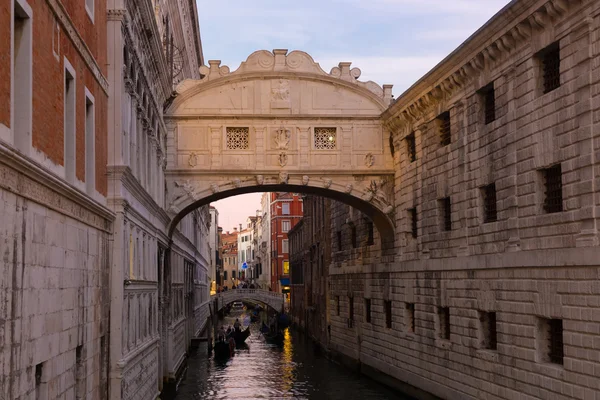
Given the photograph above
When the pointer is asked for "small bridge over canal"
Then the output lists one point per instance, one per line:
(271, 299)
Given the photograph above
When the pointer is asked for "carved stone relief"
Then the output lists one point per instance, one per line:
(369, 160)
(193, 160)
(282, 138)
(283, 177)
(280, 94)
(305, 180)
(283, 159)
(327, 183)
(260, 179)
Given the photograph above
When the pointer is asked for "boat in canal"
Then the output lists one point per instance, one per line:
(274, 338)
(240, 336)
(224, 350)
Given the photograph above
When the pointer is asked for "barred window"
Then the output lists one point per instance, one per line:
(553, 189)
(412, 214)
(550, 60)
(325, 138)
(444, 322)
(353, 236)
(446, 213)
(490, 213)
(444, 126)
(488, 328)
(409, 317)
(368, 310)
(237, 139)
(350, 311)
(337, 305)
(489, 102)
(411, 147)
(339, 240)
(550, 335)
(388, 314)
(370, 234)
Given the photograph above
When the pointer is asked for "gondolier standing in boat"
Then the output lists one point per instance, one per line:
(221, 334)
(237, 324)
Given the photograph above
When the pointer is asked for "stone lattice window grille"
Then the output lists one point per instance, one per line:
(550, 62)
(443, 121)
(490, 212)
(488, 329)
(325, 138)
(553, 200)
(368, 310)
(488, 95)
(411, 147)
(237, 138)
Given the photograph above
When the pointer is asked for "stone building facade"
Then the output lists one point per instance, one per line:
(160, 273)
(493, 292)
(229, 251)
(55, 223)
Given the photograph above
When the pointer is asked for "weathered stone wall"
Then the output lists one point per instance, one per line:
(529, 266)
(53, 301)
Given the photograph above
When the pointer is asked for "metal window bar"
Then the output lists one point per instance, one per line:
(489, 203)
(444, 125)
(551, 68)
(370, 234)
(489, 103)
(447, 214)
(410, 308)
(553, 189)
(411, 147)
(444, 316)
(353, 236)
(339, 240)
(556, 351)
(493, 334)
(413, 221)
(368, 310)
(388, 314)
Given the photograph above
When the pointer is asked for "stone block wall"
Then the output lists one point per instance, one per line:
(53, 302)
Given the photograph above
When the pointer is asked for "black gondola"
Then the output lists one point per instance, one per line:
(240, 336)
(222, 350)
(274, 338)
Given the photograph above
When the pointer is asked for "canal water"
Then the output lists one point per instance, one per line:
(262, 371)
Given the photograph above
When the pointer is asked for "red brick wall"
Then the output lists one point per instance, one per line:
(48, 86)
(5, 44)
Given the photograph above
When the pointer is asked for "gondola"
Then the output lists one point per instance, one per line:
(274, 338)
(254, 317)
(240, 336)
(222, 350)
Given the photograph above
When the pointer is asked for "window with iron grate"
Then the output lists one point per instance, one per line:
(412, 214)
(446, 213)
(387, 304)
(550, 62)
(325, 138)
(370, 234)
(444, 322)
(337, 305)
(350, 311)
(488, 95)
(551, 345)
(490, 213)
(411, 147)
(444, 127)
(409, 317)
(353, 236)
(553, 189)
(237, 138)
(339, 240)
(488, 329)
(368, 310)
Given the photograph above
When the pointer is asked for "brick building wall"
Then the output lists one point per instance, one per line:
(476, 305)
(279, 235)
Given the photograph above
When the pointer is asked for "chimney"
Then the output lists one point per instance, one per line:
(240, 227)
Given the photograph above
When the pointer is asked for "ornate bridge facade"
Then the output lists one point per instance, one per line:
(280, 123)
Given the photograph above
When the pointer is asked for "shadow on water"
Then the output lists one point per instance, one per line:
(296, 370)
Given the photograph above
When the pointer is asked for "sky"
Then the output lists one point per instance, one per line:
(391, 41)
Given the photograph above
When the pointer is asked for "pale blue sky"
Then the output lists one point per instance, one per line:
(391, 41)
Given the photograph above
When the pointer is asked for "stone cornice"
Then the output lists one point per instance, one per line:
(30, 180)
(500, 36)
(79, 43)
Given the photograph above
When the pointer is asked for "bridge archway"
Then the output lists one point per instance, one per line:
(280, 123)
(271, 299)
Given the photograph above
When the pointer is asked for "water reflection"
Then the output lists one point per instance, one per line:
(262, 371)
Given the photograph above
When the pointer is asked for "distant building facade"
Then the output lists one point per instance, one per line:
(229, 252)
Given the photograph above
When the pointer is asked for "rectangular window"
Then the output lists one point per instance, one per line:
(490, 213)
(368, 310)
(388, 313)
(550, 341)
(444, 322)
(350, 311)
(553, 199)
(339, 240)
(225, 275)
(69, 122)
(411, 147)
(39, 370)
(550, 63)
(285, 226)
(443, 121)
(90, 137)
(487, 322)
(412, 215)
(285, 208)
(488, 96)
(325, 138)
(370, 234)
(237, 138)
(337, 305)
(409, 317)
(353, 236)
(286, 267)
(22, 77)
(232, 274)
(79, 373)
(446, 214)
(285, 246)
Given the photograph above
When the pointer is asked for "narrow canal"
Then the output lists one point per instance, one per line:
(263, 371)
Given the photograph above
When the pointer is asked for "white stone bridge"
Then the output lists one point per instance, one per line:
(271, 299)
